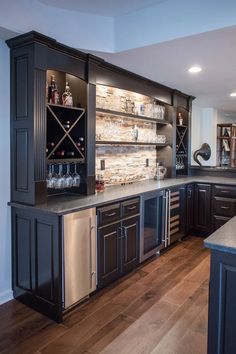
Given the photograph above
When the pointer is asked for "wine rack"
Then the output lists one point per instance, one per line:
(65, 134)
(182, 140)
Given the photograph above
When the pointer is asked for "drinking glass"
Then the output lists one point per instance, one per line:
(76, 178)
(60, 182)
(68, 179)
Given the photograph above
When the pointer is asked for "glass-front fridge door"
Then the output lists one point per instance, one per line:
(152, 224)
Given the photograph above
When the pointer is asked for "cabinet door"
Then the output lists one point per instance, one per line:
(130, 244)
(109, 263)
(202, 208)
(36, 261)
(190, 209)
(219, 221)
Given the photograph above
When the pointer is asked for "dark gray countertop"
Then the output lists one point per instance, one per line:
(65, 204)
(223, 239)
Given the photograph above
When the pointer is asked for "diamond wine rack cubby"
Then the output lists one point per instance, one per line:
(65, 134)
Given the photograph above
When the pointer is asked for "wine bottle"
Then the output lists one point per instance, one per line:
(66, 124)
(51, 144)
(81, 139)
(70, 153)
(53, 94)
(60, 153)
(67, 99)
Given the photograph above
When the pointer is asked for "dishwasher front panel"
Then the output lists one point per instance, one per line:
(79, 256)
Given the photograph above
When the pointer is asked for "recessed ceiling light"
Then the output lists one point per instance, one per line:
(233, 94)
(195, 69)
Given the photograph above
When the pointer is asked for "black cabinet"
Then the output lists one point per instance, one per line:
(222, 304)
(109, 248)
(202, 208)
(189, 219)
(38, 134)
(223, 204)
(36, 249)
(118, 241)
(130, 244)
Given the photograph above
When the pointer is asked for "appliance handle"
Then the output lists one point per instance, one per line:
(169, 196)
(92, 224)
(163, 230)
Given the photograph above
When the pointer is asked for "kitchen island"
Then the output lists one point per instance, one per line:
(222, 304)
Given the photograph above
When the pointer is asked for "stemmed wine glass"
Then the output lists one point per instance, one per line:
(68, 179)
(60, 183)
(76, 177)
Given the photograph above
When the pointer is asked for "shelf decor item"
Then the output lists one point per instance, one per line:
(204, 152)
(67, 99)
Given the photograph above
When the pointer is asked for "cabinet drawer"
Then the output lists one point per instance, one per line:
(224, 206)
(219, 221)
(224, 191)
(108, 214)
(130, 207)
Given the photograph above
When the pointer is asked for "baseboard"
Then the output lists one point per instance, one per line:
(6, 296)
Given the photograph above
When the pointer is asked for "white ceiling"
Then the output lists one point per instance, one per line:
(102, 7)
(168, 63)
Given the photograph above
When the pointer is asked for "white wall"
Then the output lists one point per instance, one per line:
(204, 121)
(172, 19)
(78, 30)
(226, 117)
(5, 225)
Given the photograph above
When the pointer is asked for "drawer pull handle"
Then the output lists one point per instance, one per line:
(111, 214)
(225, 191)
(224, 207)
(132, 207)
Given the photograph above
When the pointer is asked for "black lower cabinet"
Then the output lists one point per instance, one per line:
(222, 304)
(118, 241)
(130, 244)
(118, 249)
(219, 221)
(109, 248)
(202, 208)
(36, 250)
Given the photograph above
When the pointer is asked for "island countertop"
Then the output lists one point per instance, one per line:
(223, 239)
(64, 204)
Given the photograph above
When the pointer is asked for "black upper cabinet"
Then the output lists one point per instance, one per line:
(34, 58)
(202, 208)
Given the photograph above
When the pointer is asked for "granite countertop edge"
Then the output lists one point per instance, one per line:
(62, 205)
(223, 239)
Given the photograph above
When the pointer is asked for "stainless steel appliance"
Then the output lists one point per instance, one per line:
(152, 230)
(79, 256)
(173, 215)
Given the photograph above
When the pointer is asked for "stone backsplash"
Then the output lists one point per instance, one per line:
(125, 164)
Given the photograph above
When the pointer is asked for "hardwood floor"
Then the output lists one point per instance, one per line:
(159, 308)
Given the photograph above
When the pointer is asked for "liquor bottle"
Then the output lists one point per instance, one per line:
(67, 99)
(180, 118)
(53, 94)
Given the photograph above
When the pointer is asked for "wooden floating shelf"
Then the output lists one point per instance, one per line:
(131, 115)
(181, 126)
(66, 107)
(130, 143)
(64, 161)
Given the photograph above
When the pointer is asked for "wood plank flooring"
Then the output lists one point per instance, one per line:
(159, 308)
